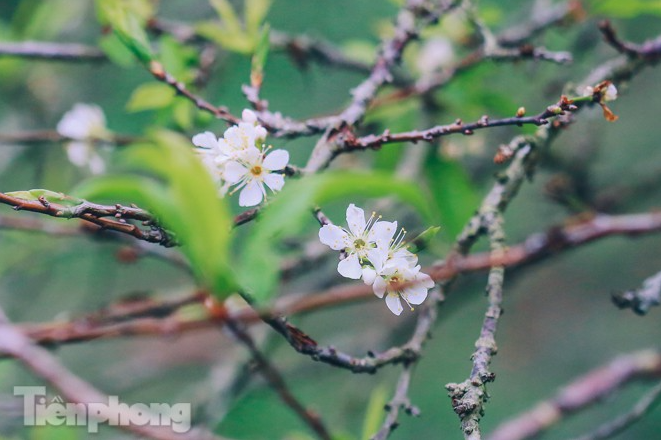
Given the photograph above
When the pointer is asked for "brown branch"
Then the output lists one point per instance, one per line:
(583, 392)
(649, 51)
(277, 382)
(52, 51)
(50, 136)
(153, 319)
(113, 218)
(43, 364)
(399, 401)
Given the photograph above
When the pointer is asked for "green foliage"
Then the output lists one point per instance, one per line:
(128, 24)
(453, 193)
(51, 196)
(150, 96)
(230, 32)
(259, 57)
(424, 239)
(292, 207)
(374, 413)
(165, 177)
(626, 9)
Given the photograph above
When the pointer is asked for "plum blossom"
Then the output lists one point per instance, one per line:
(361, 236)
(241, 158)
(373, 253)
(83, 124)
(397, 277)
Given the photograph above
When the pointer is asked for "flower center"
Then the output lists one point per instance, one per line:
(359, 244)
(256, 170)
(394, 282)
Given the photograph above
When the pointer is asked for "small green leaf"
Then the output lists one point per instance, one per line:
(51, 196)
(236, 41)
(626, 9)
(150, 96)
(255, 13)
(128, 26)
(374, 414)
(227, 15)
(116, 50)
(422, 240)
(259, 57)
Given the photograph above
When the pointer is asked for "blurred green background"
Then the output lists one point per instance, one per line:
(559, 321)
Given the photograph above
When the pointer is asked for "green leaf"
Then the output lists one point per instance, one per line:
(227, 15)
(292, 208)
(453, 192)
(374, 414)
(116, 50)
(255, 13)
(128, 26)
(51, 196)
(259, 57)
(236, 41)
(626, 9)
(150, 96)
(422, 240)
(179, 191)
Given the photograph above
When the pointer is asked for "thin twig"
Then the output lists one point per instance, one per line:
(52, 51)
(583, 392)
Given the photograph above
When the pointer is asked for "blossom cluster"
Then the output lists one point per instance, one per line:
(241, 159)
(374, 253)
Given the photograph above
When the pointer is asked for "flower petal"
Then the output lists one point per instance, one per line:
(350, 267)
(356, 220)
(274, 181)
(276, 160)
(369, 275)
(394, 304)
(378, 257)
(205, 140)
(248, 116)
(417, 293)
(252, 194)
(382, 233)
(234, 171)
(379, 287)
(333, 237)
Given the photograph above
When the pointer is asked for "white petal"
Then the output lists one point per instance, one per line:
(379, 287)
(350, 267)
(394, 304)
(274, 181)
(78, 153)
(416, 294)
(248, 116)
(251, 156)
(260, 133)
(378, 257)
(276, 160)
(333, 236)
(205, 140)
(252, 194)
(226, 148)
(356, 219)
(97, 165)
(369, 275)
(382, 232)
(611, 93)
(234, 171)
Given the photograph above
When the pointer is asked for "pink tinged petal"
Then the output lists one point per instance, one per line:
(274, 181)
(78, 153)
(382, 233)
(379, 287)
(205, 140)
(333, 236)
(356, 220)
(394, 304)
(234, 172)
(276, 160)
(97, 166)
(252, 194)
(369, 275)
(424, 280)
(350, 267)
(248, 116)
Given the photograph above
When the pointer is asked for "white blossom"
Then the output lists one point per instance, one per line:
(83, 124)
(611, 93)
(398, 278)
(251, 169)
(240, 158)
(356, 241)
